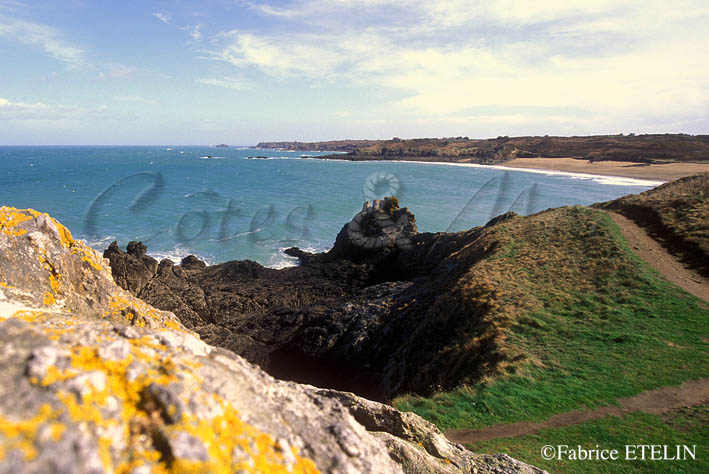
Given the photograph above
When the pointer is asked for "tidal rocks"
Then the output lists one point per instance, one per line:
(96, 381)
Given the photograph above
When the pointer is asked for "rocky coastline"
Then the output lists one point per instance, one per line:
(130, 365)
(388, 310)
(94, 380)
(358, 317)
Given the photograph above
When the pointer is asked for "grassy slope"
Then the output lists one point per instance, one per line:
(580, 320)
(676, 212)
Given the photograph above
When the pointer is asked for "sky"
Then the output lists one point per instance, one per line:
(86, 72)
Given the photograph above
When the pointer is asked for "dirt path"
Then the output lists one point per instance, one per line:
(654, 401)
(653, 253)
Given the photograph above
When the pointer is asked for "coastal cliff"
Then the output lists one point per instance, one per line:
(94, 380)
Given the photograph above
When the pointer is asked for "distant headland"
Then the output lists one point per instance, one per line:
(663, 156)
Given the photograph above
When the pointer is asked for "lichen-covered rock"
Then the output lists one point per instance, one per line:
(43, 267)
(84, 388)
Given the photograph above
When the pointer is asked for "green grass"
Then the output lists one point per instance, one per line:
(629, 332)
(682, 428)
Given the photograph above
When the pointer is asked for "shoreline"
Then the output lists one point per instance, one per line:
(653, 172)
(607, 178)
(634, 173)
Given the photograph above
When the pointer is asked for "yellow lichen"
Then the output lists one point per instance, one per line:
(58, 328)
(48, 299)
(222, 435)
(175, 326)
(29, 315)
(21, 435)
(10, 218)
(131, 309)
(227, 433)
(54, 277)
(65, 236)
(89, 258)
(56, 431)
(54, 282)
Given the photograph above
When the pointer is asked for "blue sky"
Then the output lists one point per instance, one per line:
(239, 72)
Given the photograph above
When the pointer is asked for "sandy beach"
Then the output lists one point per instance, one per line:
(663, 172)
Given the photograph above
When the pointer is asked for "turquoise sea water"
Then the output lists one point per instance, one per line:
(219, 205)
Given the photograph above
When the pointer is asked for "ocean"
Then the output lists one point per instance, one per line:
(219, 204)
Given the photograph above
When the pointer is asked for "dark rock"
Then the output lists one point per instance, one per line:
(133, 269)
(303, 257)
(191, 262)
(347, 319)
(501, 218)
(379, 230)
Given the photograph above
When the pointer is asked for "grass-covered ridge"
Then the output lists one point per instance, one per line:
(676, 213)
(570, 317)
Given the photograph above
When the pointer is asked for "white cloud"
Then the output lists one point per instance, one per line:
(164, 17)
(302, 55)
(593, 59)
(117, 71)
(10, 5)
(43, 36)
(228, 82)
(39, 111)
(195, 33)
(193, 30)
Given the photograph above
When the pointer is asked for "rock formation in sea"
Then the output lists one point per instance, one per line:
(94, 380)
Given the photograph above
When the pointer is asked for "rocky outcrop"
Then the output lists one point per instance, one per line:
(378, 231)
(94, 380)
(348, 319)
(42, 266)
(135, 270)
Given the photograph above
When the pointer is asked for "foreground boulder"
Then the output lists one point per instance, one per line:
(94, 380)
